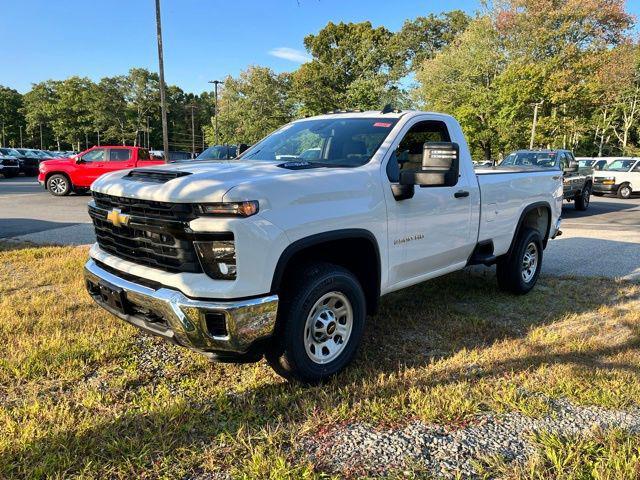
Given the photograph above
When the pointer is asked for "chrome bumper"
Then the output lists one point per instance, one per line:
(182, 320)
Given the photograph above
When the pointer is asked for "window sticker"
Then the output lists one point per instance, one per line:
(382, 124)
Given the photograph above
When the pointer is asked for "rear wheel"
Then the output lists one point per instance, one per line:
(518, 272)
(320, 324)
(624, 191)
(58, 185)
(583, 198)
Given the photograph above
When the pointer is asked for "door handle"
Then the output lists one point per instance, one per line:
(461, 194)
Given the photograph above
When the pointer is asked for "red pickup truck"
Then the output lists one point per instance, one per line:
(77, 173)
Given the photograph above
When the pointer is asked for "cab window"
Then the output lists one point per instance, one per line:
(408, 155)
(636, 168)
(97, 155)
(119, 155)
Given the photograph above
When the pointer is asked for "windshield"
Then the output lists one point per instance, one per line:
(218, 152)
(536, 159)
(586, 163)
(336, 142)
(10, 151)
(619, 165)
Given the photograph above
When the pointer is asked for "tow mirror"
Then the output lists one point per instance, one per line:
(572, 167)
(440, 166)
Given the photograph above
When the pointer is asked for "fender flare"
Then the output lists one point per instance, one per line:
(319, 238)
(523, 214)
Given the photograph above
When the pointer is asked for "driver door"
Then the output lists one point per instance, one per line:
(430, 232)
(90, 167)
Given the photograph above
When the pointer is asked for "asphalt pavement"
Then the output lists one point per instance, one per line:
(602, 241)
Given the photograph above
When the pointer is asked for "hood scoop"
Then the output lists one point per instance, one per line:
(154, 176)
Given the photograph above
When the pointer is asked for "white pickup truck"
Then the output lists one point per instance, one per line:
(273, 255)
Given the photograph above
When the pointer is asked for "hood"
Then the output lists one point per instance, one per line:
(53, 162)
(201, 181)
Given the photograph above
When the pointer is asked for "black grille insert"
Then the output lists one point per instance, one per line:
(155, 176)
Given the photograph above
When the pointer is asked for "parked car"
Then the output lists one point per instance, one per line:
(174, 155)
(236, 259)
(9, 166)
(577, 185)
(620, 177)
(62, 176)
(592, 164)
(219, 152)
(29, 161)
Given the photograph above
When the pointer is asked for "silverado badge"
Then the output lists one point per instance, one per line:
(117, 218)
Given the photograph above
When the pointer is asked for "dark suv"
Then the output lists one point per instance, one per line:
(577, 184)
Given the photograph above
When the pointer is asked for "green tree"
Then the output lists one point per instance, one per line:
(109, 110)
(38, 110)
(11, 117)
(353, 66)
(252, 106)
(461, 81)
(72, 116)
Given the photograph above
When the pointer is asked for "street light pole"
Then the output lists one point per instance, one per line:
(535, 121)
(163, 100)
(215, 109)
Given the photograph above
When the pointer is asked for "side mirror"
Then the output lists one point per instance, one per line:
(79, 160)
(440, 166)
(572, 167)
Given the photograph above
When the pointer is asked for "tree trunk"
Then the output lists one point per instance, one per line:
(486, 147)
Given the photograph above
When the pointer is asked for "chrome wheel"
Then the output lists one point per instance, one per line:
(328, 327)
(58, 185)
(530, 262)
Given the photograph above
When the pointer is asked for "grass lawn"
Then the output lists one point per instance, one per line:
(82, 394)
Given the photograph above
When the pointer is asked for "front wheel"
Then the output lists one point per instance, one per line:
(582, 199)
(320, 324)
(519, 271)
(58, 185)
(624, 191)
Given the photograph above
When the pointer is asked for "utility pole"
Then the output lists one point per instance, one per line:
(215, 109)
(98, 137)
(163, 100)
(86, 140)
(3, 144)
(147, 133)
(535, 121)
(193, 133)
(21, 137)
(202, 130)
(41, 137)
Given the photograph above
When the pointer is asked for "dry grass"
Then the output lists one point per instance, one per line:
(80, 398)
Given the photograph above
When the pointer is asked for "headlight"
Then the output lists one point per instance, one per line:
(41, 168)
(229, 209)
(217, 258)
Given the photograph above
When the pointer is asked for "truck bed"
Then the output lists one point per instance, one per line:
(505, 192)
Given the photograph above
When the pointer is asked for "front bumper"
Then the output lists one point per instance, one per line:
(600, 188)
(223, 329)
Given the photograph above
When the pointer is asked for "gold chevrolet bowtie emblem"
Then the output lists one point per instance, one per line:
(117, 218)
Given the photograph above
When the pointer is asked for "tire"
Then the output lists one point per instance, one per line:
(514, 275)
(58, 185)
(597, 194)
(9, 174)
(583, 198)
(309, 343)
(624, 191)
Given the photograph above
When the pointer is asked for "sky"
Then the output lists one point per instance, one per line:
(203, 39)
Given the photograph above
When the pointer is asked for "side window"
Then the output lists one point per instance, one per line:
(143, 154)
(97, 155)
(408, 155)
(119, 154)
(564, 160)
(636, 168)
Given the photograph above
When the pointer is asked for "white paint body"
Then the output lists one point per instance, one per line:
(631, 176)
(295, 204)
